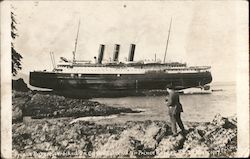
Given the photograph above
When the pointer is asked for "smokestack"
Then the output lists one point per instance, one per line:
(101, 52)
(131, 52)
(116, 52)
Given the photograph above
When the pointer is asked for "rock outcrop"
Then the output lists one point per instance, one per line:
(19, 85)
(57, 138)
(19, 100)
(38, 105)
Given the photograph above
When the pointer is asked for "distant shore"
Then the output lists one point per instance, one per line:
(51, 133)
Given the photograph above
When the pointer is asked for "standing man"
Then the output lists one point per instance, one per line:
(174, 110)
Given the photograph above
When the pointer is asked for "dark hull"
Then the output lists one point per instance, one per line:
(106, 83)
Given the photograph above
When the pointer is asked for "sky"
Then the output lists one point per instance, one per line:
(202, 33)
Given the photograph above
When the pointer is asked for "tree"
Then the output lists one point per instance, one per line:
(16, 57)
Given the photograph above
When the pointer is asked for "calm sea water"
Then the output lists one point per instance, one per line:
(197, 107)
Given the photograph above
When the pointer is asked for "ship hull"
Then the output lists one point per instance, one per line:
(117, 83)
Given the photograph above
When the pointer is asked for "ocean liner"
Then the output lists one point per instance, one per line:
(86, 77)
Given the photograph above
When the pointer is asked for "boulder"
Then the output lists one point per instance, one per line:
(224, 122)
(19, 100)
(17, 113)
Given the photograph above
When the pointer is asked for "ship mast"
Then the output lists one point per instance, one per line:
(53, 60)
(167, 41)
(74, 52)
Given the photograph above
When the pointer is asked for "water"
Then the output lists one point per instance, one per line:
(197, 107)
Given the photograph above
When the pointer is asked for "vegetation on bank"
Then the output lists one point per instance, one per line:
(15, 55)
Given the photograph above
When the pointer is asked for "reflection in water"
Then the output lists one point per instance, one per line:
(93, 118)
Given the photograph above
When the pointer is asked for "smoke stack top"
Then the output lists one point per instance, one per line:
(116, 52)
(131, 52)
(101, 53)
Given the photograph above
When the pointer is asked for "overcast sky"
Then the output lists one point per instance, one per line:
(203, 33)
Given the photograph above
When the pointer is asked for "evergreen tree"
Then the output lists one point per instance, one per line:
(16, 57)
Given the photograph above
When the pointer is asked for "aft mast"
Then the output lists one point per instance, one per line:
(74, 52)
(167, 41)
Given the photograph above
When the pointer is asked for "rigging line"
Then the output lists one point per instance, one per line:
(167, 41)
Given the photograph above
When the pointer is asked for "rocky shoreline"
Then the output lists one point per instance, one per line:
(50, 133)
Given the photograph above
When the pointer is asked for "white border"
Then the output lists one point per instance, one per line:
(242, 80)
(6, 106)
(242, 89)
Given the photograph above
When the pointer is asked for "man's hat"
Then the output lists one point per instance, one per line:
(170, 86)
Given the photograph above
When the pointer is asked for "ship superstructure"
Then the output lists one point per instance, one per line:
(120, 76)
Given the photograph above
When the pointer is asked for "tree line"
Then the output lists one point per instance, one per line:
(16, 56)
